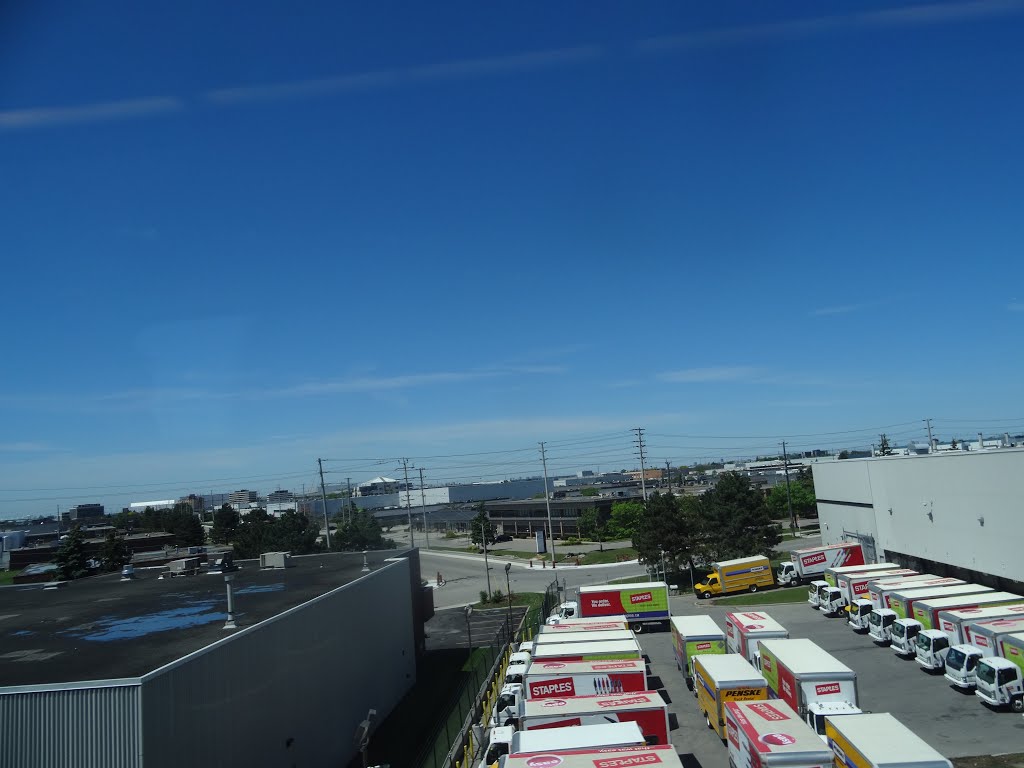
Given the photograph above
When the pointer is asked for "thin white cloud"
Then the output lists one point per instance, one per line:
(390, 78)
(701, 375)
(24, 447)
(1015, 306)
(843, 309)
(88, 113)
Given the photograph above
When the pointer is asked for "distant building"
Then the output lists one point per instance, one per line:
(379, 486)
(85, 511)
(279, 497)
(243, 497)
(140, 506)
(196, 502)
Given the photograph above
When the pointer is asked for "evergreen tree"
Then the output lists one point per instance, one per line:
(738, 521)
(114, 553)
(481, 530)
(70, 560)
(225, 523)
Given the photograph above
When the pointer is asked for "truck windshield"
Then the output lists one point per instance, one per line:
(986, 674)
(955, 658)
(924, 642)
(898, 630)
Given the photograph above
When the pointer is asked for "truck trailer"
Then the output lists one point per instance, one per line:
(810, 680)
(743, 630)
(645, 708)
(601, 651)
(934, 644)
(552, 638)
(882, 621)
(810, 562)
(694, 636)
(879, 740)
(609, 757)
(835, 601)
(506, 741)
(643, 604)
(982, 640)
(587, 678)
(723, 678)
(1000, 679)
(831, 575)
(763, 734)
(744, 574)
(597, 624)
(921, 615)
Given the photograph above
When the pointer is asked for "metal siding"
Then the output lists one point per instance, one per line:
(71, 728)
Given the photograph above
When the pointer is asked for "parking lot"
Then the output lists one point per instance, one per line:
(955, 723)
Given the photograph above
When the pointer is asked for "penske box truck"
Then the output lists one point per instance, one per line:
(933, 645)
(645, 708)
(746, 574)
(879, 740)
(810, 680)
(762, 734)
(743, 630)
(643, 604)
(724, 678)
(694, 636)
(587, 678)
(810, 562)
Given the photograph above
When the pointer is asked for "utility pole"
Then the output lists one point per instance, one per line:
(789, 500)
(408, 504)
(350, 504)
(643, 471)
(323, 495)
(928, 423)
(547, 502)
(423, 502)
(668, 474)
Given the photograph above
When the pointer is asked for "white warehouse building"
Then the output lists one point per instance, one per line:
(953, 514)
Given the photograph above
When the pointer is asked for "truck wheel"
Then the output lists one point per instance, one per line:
(707, 719)
(1017, 705)
(752, 588)
(637, 628)
(705, 595)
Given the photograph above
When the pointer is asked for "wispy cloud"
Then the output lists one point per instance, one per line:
(1015, 306)
(24, 447)
(701, 375)
(390, 78)
(88, 113)
(842, 309)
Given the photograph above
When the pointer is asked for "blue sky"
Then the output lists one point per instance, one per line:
(236, 242)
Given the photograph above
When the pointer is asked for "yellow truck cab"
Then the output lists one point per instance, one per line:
(745, 574)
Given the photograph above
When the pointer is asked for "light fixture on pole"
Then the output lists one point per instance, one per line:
(508, 590)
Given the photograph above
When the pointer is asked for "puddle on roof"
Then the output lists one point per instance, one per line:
(258, 588)
(129, 628)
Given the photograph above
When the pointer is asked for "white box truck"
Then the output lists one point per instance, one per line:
(934, 641)
(743, 630)
(643, 604)
(879, 740)
(809, 562)
(862, 607)
(599, 624)
(933, 645)
(610, 757)
(835, 601)
(603, 636)
(762, 734)
(506, 741)
(645, 708)
(831, 575)
(694, 636)
(602, 651)
(810, 680)
(982, 641)
(1001, 678)
(881, 619)
(587, 678)
(904, 629)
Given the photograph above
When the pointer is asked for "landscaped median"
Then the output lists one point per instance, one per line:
(767, 597)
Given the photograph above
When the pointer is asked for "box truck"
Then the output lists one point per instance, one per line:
(879, 740)
(506, 741)
(810, 680)
(934, 644)
(744, 574)
(643, 604)
(517, 664)
(551, 638)
(743, 630)
(556, 678)
(766, 734)
(609, 757)
(835, 601)
(645, 708)
(723, 678)
(882, 620)
(919, 615)
(880, 589)
(694, 636)
(831, 575)
(604, 651)
(812, 561)
(982, 641)
(862, 607)
(1000, 679)
(597, 624)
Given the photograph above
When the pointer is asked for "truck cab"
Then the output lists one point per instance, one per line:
(508, 706)
(787, 575)
(1000, 684)
(814, 592)
(932, 647)
(860, 614)
(962, 665)
(903, 636)
(499, 745)
(818, 711)
(517, 664)
(880, 625)
(567, 610)
(831, 601)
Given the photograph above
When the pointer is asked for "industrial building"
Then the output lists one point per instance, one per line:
(953, 513)
(524, 517)
(143, 673)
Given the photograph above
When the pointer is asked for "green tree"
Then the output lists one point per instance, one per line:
(590, 492)
(593, 524)
(70, 559)
(801, 491)
(844, 455)
(625, 518)
(225, 523)
(883, 445)
(114, 553)
(362, 531)
(737, 519)
(673, 525)
(254, 535)
(295, 533)
(481, 530)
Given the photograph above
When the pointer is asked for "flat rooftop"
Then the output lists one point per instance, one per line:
(104, 628)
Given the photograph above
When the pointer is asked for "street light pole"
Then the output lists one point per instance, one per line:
(469, 626)
(508, 590)
(547, 503)
(423, 503)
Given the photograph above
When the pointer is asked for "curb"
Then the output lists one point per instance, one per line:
(521, 564)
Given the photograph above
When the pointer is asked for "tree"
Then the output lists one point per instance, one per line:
(362, 531)
(184, 525)
(625, 519)
(801, 491)
(114, 553)
(844, 455)
(70, 560)
(590, 492)
(481, 529)
(593, 524)
(670, 524)
(295, 533)
(883, 445)
(953, 444)
(225, 523)
(738, 521)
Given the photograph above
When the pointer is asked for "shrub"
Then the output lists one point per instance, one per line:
(483, 596)
(498, 596)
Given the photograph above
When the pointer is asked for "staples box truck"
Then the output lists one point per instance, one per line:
(642, 604)
(720, 679)
(982, 641)
(812, 561)
(880, 589)
(835, 601)
(769, 734)
(556, 625)
(743, 630)
(1000, 679)
(904, 628)
(645, 708)
(810, 680)
(931, 642)
(745, 574)
(831, 575)
(879, 741)
(556, 678)
(602, 651)
(882, 618)
(609, 757)
(933, 645)
(506, 741)
(552, 638)
(694, 636)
